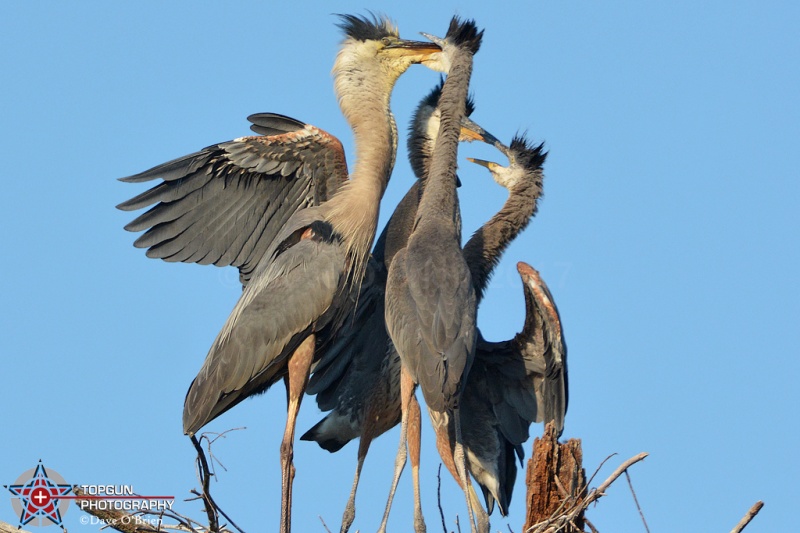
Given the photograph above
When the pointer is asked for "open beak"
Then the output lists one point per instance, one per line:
(438, 62)
(470, 131)
(488, 164)
(433, 38)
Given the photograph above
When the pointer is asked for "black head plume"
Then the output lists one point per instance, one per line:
(527, 154)
(367, 28)
(464, 34)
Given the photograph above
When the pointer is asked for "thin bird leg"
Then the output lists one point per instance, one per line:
(444, 444)
(406, 393)
(414, 436)
(350, 510)
(460, 461)
(296, 381)
(483, 516)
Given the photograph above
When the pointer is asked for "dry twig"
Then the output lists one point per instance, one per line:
(323, 523)
(439, 497)
(749, 516)
(205, 481)
(636, 501)
(5, 527)
(205, 474)
(143, 521)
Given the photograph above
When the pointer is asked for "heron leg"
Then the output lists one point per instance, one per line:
(444, 443)
(460, 461)
(483, 516)
(350, 510)
(296, 381)
(406, 393)
(414, 437)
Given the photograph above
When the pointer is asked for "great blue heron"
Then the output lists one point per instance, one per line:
(430, 300)
(512, 384)
(358, 378)
(300, 287)
(507, 389)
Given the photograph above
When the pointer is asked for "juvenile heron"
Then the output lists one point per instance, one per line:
(512, 384)
(304, 283)
(358, 377)
(430, 300)
(509, 388)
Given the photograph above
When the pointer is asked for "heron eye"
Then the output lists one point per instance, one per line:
(386, 41)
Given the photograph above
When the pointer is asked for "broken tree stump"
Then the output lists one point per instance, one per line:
(556, 482)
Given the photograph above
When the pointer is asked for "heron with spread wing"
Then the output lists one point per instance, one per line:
(301, 258)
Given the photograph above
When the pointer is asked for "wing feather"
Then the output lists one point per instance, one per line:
(225, 204)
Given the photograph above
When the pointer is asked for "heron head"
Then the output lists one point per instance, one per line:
(425, 128)
(505, 176)
(525, 161)
(375, 39)
(460, 35)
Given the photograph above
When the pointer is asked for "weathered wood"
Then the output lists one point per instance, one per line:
(555, 479)
(5, 527)
(748, 517)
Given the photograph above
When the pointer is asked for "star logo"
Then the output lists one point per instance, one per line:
(37, 497)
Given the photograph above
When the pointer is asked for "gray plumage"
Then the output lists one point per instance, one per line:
(362, 350)
(358, 377)
(514, 383)
(290, 296)
(300, 289)
(430, 300)
(225, 204)
(504, 393)
(430, 311)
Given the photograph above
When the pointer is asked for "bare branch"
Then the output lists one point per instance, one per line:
(749, 516)
(618, 472)
(591, 526)
(323, 523)
(636, 501)
(439, 497)
(599, 467)
(205, 479)
(205, 482)
(5, 527)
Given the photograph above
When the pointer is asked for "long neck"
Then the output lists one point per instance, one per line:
(484, 249)
(439, 197)
(397, 231)
(364, 100)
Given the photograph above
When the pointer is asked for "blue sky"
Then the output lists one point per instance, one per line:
(668, 235)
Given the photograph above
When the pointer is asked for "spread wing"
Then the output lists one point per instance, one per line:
(542, 345)
(225, 204)
(525, 378)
